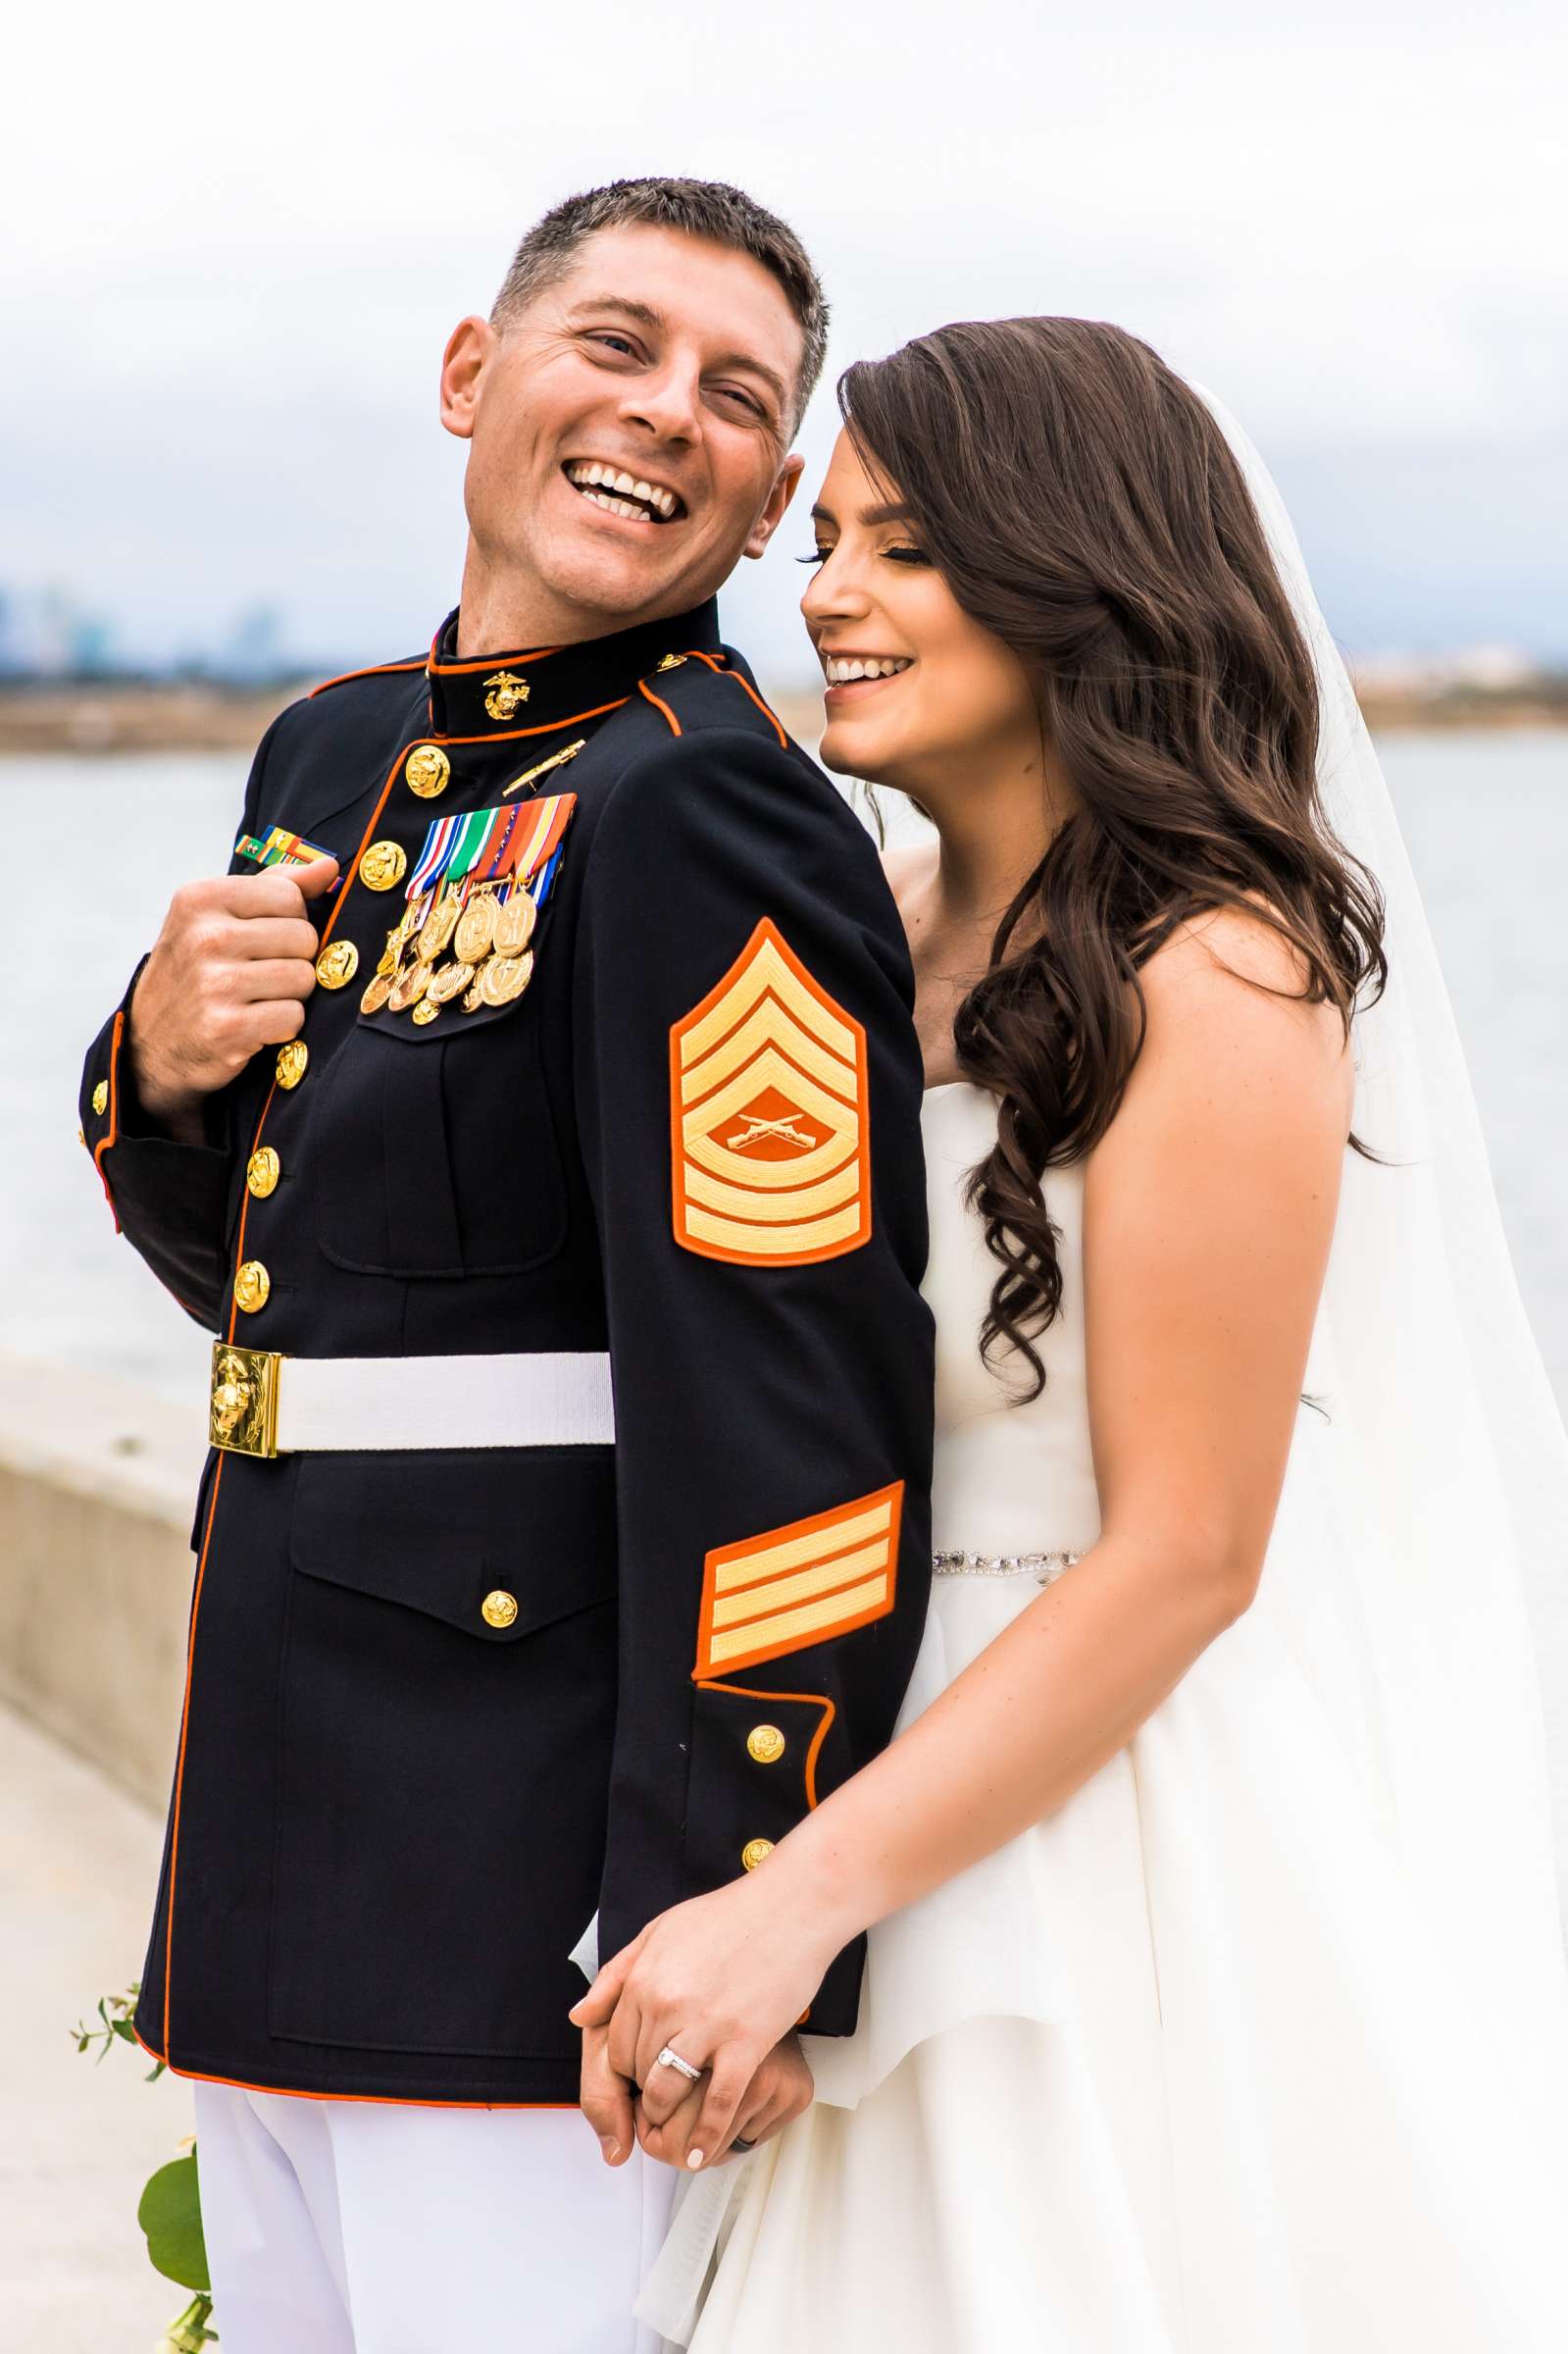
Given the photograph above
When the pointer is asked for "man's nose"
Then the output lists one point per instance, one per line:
(664, 403)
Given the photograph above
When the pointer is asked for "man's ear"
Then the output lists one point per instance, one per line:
(779, 497)
(468, 348)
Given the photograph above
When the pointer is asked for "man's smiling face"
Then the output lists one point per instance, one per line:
(630, 430)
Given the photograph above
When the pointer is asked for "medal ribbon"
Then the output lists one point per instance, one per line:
(279, 848)
(432, 861)
(538, 850)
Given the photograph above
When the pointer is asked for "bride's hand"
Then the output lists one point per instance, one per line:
(780, 2091)
(720, 1980)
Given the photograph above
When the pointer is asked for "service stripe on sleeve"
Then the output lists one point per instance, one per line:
(805, 1583)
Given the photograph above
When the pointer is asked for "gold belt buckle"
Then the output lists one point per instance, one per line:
(242, 1413)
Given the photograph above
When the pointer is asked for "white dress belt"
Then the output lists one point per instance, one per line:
(353, 1405)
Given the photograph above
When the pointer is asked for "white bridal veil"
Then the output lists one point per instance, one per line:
(1445, 1466)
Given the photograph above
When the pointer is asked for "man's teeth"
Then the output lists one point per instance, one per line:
(877, 666)
(612, 489)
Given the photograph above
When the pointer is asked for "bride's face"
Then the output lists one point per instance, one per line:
(913, 684)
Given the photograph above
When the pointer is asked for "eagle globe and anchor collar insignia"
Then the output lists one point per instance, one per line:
(505, 694)
(768, 1112)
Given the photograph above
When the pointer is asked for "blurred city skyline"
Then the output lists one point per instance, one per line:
(243, 246)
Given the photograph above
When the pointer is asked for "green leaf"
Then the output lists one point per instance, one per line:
(169, 2214)
(125, 2030)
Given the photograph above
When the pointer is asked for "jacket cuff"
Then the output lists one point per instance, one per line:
(170, 1198)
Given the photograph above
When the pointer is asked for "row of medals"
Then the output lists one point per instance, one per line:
(491, 962)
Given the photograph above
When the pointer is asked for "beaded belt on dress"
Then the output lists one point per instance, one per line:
(1041, 1565)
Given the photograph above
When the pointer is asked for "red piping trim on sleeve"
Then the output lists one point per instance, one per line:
(818, 1700)
(112, 1130)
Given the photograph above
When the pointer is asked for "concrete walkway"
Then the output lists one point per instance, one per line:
(78, 1863)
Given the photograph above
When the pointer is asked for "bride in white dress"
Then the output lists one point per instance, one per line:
(1215, 1999)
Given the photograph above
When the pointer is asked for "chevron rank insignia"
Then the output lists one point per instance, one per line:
(770, 1145)
(802, 1584)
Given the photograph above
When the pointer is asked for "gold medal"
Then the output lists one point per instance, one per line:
(505, 978)
(375, 997)
(426, 771)
(383, 864)
(449, 981)
(473, 998)
(476, 929)
(424, 1011)
(437, 928)
(514, 923)
(336, 966)
(409, 986)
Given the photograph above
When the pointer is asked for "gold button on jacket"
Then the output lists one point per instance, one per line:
(252, 1283)
(498, 1608)
(755, 1851)
(766, 1743)
(383, 864)
(426, 771)
(336, 966)
(100, 1096)
(291, 1061)
(261, 1172)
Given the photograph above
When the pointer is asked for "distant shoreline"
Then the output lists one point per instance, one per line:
(88, 718)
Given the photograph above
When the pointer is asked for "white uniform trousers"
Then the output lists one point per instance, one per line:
(363, 2227)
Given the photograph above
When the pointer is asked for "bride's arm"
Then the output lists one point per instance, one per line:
(1209, 1207)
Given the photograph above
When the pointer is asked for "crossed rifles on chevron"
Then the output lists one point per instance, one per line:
(757, 1132)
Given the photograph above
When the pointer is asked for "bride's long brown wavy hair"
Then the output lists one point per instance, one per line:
(1082, 505)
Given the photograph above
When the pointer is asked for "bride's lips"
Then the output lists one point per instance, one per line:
(840, 693)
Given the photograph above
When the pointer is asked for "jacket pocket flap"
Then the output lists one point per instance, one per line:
(495, 1542)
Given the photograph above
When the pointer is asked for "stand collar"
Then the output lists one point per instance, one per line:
(530, 691)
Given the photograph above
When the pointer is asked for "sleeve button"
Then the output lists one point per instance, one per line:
(755, 1851)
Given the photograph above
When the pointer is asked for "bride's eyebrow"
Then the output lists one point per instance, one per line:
(891, 511)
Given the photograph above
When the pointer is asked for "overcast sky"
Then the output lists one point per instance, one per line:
(238, 239)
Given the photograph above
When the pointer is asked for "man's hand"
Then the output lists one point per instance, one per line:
(228, 974)
(778, 2093)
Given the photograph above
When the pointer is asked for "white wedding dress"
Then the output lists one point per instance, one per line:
(1183, 2069)
(1259, 2043)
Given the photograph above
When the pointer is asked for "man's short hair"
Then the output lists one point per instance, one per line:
(702, 208)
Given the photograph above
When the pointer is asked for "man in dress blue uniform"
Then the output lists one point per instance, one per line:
(533, 1113)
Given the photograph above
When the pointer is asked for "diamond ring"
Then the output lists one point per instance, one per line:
(671, 2058)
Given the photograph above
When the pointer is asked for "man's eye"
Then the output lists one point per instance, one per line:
(615, 342)
(733, 392)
